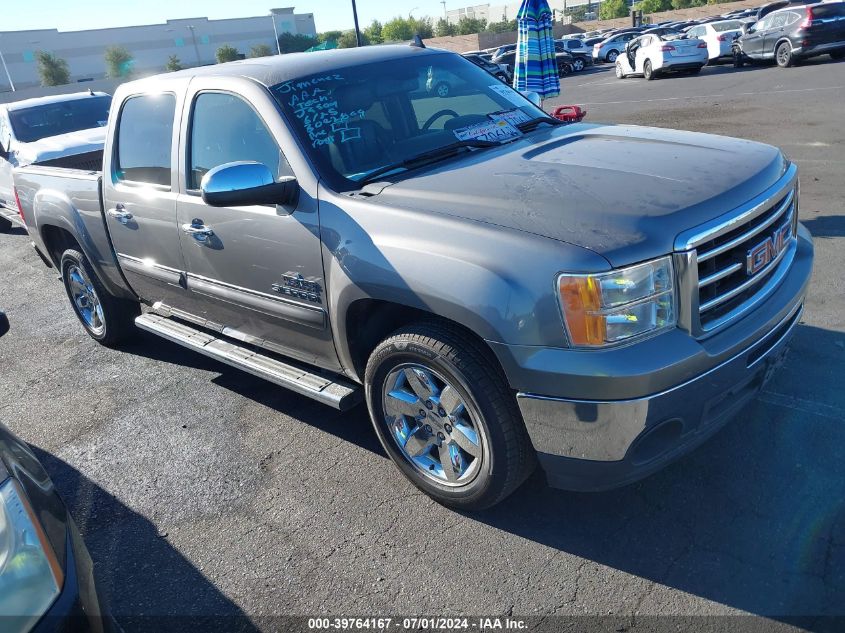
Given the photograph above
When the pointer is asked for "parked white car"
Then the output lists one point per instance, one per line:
(653, 55)
(61, 130)
(718, 35)
(609, 49)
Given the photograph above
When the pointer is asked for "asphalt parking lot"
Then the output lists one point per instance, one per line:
(204, 492)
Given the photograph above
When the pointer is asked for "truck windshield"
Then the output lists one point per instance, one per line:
(33, 124)
(356, 121)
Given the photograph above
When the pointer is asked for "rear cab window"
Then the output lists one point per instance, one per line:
(145, 139)
(62, 117)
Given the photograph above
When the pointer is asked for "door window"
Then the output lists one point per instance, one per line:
(144, 139)
(225, 129)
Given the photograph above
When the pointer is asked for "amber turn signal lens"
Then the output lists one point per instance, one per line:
(581, 300)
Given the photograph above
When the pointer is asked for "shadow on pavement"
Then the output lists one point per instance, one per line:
(754, 519)
(142, 579)
(826, 226)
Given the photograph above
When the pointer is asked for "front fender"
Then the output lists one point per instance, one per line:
(494, 281)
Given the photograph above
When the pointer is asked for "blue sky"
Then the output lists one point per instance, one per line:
(74, 15)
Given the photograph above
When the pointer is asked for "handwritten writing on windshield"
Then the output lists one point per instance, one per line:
(314, 104)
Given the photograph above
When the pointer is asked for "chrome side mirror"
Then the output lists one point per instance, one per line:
(533, 97)
(245, 183)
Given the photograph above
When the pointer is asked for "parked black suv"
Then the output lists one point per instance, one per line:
(581, 55)
(494, 69)
(791, 34)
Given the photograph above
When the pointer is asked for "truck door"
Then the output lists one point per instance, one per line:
(139, 199)
(254, 272)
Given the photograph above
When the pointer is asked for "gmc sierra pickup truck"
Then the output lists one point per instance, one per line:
(499, 288)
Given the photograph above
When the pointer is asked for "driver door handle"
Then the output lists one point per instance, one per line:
(199, 231)
(120, 213)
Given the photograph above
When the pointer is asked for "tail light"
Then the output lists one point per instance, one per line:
(667, 47)
(808, 19)
(722, 38)
(702, 45)
(20, 208)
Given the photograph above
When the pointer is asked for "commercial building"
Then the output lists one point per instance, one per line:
(497, 12)
(194, 41)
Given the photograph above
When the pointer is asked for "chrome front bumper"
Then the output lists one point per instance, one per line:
(595, 444)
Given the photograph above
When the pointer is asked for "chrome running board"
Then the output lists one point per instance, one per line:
(332, 390)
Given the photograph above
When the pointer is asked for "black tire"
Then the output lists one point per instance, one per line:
(783, 55)
(648, 71)
(694, 71)
(739, 60)
(5, 225)
(837, 55)
(611, 56)
(447, 352)
(116, 317)
(577, 64)
(620, 73)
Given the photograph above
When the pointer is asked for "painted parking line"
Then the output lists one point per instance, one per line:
(804, 406)
(712, 96)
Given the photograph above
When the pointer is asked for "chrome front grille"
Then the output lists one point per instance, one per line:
(732, 263)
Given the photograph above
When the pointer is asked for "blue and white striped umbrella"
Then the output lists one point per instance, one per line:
(535, 67)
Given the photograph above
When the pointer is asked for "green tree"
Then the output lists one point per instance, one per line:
(53, 70)
(118, 62)
(470, 26)
(173, 64)
(444, 28)
(401, 29)
(610, 9)
(577, 13)
(290, 43)
(654, 6)
(373, 32)
(347, 40)
(328, 35)
(261, 50)
(227, 53)
(503, 26)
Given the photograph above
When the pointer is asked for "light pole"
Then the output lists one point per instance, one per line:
(6, 68)
(275, 32)
(357, 30)
(196, 48)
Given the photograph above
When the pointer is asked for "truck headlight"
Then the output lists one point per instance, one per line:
(30, 576)
(610, 307)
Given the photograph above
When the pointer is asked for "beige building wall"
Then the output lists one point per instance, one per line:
(194, 41)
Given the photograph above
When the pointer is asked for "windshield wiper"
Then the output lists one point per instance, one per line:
(440, 152)
(527, 126)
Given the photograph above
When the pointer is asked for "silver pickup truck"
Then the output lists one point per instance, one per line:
(499, 288)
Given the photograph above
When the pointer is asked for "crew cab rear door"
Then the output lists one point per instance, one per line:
(139, 195)
(256, 272)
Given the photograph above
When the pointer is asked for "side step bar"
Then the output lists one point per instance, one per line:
(334, 391)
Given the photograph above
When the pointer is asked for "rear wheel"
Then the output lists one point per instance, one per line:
(611, 56)
(783, 55)
(739, 61)
(648, 71)
(694, 71)
(107, 319)
(578, 64)
(447, 417)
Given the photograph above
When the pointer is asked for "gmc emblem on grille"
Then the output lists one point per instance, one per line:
(767, 251)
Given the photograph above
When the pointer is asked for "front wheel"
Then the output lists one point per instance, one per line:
(442, 90)
(648, 71)
(783, 55)
(107, 319)
(445, 414)
(620, 73)
(739, 61)
(578, 64)
(5, 225)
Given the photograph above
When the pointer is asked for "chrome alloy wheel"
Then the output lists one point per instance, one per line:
(85, 300)
(432, 425)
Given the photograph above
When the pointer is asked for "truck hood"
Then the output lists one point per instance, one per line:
(52, 147)
(624, 192)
